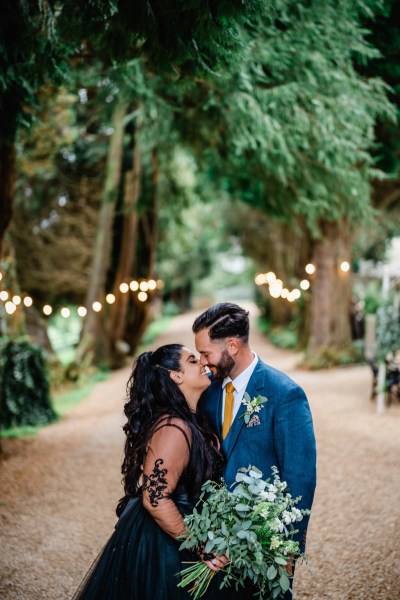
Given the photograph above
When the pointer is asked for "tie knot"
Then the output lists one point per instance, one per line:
(230, 388)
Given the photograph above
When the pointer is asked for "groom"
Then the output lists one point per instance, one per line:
(281, 433)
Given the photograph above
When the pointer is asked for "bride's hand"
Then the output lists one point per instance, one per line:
(217, 563)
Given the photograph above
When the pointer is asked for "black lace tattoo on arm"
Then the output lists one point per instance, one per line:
(155, 484)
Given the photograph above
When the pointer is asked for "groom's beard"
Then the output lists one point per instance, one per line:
(225, 366)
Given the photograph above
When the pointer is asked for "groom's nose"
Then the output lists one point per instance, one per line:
(203, 361)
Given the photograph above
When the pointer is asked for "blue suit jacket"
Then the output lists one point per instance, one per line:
(284, 437)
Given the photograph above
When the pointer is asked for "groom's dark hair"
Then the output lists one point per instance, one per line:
(224, 320)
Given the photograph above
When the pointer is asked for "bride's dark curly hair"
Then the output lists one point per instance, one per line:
(151, 394)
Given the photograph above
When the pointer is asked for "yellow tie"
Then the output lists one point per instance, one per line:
(228, 410)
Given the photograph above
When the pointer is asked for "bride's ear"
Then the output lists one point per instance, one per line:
(176, 377)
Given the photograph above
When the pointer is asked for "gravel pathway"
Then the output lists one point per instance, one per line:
(58, 490)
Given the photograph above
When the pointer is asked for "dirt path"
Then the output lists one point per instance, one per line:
(58, 491)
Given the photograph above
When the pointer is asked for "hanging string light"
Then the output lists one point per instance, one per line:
(310, 269)
(143, 287)
(277, 290)
(305, 284)
(10, 307)
(275, 287)
(345, 266)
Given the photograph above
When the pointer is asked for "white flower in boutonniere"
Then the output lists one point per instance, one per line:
(252, 406)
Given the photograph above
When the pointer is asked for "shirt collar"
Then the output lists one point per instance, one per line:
(243, 378)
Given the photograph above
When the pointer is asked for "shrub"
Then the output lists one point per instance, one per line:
(283, 337)
(388, 331)
(328, 357)
(24, 385)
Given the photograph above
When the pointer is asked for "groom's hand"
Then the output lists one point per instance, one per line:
(290, 564)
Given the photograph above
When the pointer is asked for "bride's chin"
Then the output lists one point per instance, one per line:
(207, 382)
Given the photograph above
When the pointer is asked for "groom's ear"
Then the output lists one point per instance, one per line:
(233, 346)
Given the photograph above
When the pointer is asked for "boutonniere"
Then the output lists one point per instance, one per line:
(252, 407)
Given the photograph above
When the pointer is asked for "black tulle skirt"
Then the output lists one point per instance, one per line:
(142, 562)
(139, 561)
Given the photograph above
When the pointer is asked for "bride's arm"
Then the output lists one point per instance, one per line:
(167, 457)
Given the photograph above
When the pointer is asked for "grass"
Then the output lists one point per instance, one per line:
(18, 432)
(62, 403)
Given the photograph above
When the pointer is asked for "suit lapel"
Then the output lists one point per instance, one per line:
(255, 384)
(215, 404)
(218, 416)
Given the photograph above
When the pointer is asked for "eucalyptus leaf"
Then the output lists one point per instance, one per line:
(242, 507)
(242, 535)
(284, 582)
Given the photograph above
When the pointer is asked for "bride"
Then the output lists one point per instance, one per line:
(170, 451)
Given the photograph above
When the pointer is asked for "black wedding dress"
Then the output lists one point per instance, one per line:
(141, 560)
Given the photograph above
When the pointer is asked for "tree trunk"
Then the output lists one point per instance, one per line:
(37, 330)
(281, 310)
(126, 257)
(330, 290)
(141, 315)
(340, 321)
(93, 339)
(7, 185)
(150, 219)
(288, 253)
(13, 325)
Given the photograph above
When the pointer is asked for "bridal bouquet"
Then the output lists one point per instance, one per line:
(252, 524)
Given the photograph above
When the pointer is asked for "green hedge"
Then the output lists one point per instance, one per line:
(24, 385)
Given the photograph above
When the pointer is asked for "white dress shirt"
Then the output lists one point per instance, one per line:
(240, 382)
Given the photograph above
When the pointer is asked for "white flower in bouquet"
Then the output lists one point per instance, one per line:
(253, 525)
